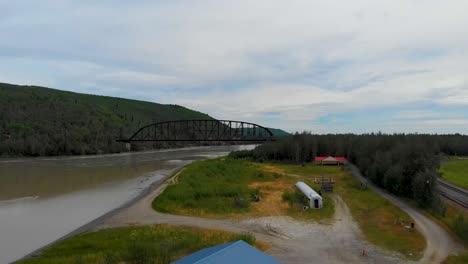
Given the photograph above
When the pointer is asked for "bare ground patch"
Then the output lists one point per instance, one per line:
(272, 169)
(271, 202)
(292, 241)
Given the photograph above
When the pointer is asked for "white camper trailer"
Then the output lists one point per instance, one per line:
(314, 198)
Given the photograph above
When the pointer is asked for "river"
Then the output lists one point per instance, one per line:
(43, 199)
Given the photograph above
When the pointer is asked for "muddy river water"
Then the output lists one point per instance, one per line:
(43, 199)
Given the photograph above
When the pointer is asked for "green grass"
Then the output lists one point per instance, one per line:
(455, 219)
(456, 172)
(461, 258)
(212, 188)
(218, 186)
(310, 170)
(381, 222)
(146, 244)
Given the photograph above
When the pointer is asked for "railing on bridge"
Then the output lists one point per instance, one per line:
(201, 130)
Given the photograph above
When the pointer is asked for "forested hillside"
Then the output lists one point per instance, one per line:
(38, 121)
(404, 164)
(279, 132)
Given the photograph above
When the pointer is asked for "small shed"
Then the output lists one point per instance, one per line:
(329, 160)
(315, 199)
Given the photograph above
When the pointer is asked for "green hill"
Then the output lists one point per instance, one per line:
(38, 121)
(279, 132)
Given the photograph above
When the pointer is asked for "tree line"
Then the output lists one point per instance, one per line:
(403, 164)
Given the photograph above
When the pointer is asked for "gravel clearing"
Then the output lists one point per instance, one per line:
(292, 241)
(308, 242)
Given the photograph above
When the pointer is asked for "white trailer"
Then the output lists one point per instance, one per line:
(314, 198)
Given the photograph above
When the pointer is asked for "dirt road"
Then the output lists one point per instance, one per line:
(292, 241)
(439, 243)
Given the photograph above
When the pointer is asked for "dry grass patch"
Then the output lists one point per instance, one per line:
(271, 203)
(286, 186)
(226, 188)
(272, 169)
(206, 214)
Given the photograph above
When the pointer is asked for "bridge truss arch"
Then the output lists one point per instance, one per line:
(201, 130)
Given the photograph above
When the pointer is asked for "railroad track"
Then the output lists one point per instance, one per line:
(457, 195)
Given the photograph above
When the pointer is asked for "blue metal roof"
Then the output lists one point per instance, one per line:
(229, 253)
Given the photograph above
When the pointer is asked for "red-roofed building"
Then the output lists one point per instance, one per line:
(329, 160)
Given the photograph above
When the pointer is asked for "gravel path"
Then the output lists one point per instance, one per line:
(439, 243)
(292, 241)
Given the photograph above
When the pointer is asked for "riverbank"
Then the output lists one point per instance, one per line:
(119, 154)
(102, 219)
(292, 239)
(360, 216)
(71, 192)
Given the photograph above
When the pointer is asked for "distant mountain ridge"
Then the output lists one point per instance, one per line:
(279, 132)
(40, 121)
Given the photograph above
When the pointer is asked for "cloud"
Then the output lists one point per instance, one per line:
(305, 60)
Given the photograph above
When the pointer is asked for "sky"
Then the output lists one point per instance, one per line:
(320, 66)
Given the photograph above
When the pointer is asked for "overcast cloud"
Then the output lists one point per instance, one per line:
(324, 66)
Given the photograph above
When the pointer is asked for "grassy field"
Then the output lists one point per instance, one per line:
(456, 172)
(158, 244)
(226, 188)
(294, 199)
(209, 188)
(381, 222)
(213, 187)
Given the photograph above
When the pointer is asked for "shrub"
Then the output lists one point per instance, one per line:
(111, 258)
(294, 197)
(140, 253)
(460, 225)
(241, 202)
(247, 237)
(289, 197)
(241, 154)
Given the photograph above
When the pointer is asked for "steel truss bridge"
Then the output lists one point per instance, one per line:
(201, 130)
